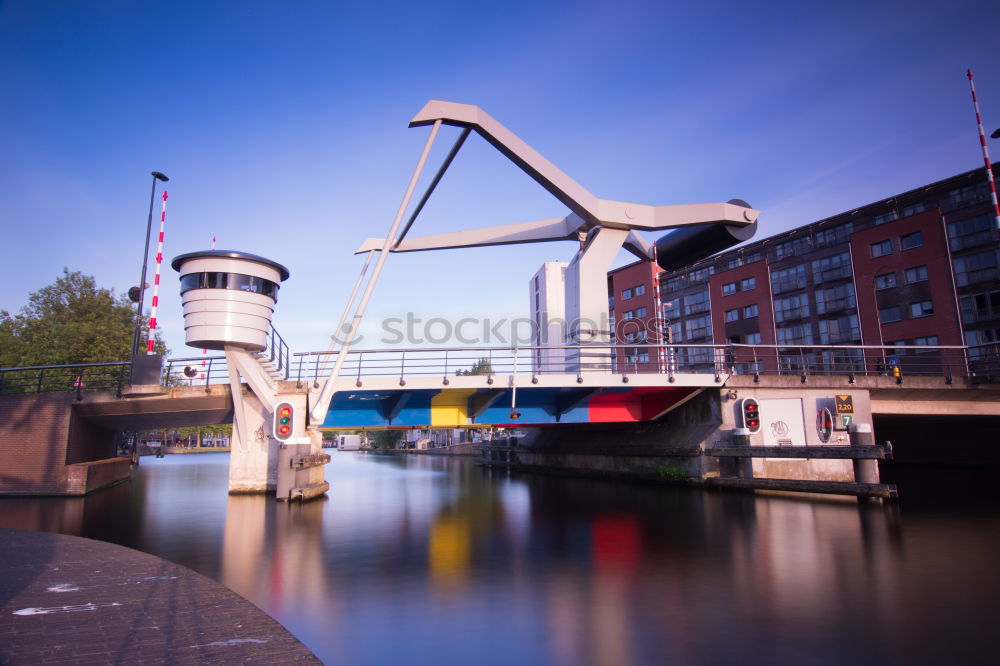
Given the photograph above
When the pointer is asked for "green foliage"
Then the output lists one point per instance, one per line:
(70, 321)
(385, 439)
(670, 472)
(480, 367)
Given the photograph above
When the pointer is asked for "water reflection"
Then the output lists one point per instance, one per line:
(435, 560)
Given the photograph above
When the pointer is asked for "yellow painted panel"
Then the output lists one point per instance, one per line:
(450, 408)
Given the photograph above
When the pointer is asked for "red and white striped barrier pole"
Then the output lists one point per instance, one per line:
(156, 279)
(661, 352)
(986, 154)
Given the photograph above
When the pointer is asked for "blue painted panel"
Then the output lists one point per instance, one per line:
(371, 409)
(537, 405)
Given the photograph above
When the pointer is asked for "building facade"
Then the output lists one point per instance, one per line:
(918, 269)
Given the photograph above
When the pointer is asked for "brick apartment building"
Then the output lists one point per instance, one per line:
(920, 268)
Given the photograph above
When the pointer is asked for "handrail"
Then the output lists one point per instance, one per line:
(981, 362)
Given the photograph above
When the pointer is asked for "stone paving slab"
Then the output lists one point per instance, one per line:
(67, 600)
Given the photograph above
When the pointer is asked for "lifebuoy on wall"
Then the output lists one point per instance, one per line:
(824, 424)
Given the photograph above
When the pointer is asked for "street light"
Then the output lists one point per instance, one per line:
(996, 134)
(145, 258)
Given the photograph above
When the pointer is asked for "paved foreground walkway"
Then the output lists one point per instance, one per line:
(67, 600)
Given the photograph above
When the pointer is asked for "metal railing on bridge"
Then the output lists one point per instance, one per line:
(75, 377)
(981, 362)
(633, 359)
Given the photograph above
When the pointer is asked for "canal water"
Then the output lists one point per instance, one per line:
(421, 560)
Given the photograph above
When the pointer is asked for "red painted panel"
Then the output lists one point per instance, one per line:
(614, 408)
(638, 404)
(654, 404)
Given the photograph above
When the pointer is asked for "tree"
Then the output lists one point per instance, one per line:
(480, 367)
(70, 321)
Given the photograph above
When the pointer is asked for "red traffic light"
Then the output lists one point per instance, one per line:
(284, 425)
(750, 412)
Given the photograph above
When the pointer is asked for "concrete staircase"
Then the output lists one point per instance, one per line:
(269, 366)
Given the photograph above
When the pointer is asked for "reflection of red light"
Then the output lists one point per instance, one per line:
(616, 542)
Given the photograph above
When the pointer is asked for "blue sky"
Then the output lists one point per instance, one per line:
(283, 128)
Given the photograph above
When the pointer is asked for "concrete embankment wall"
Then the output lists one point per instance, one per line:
(673, 446)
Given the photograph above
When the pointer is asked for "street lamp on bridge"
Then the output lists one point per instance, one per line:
(137, 334)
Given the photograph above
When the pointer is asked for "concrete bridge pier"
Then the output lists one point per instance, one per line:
(253, 463)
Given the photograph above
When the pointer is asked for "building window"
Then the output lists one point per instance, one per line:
(928, 341)
(695, 303)
(640, 312)
(792, 307)
(674, 332)
(639, 289)
(921, 309)
(791, 248)
(750, 311)
(885, 217)
(980, 307)
(975, 268)
(701, 275)
(881, 249)
(834, 235)
(886, 281)
(835, 299)
(800, 334)
(729, 289)
(676, 283)
(748, 284)
(672, 309)
(835, 267)
(698, 327)
(913, 209)
(628, 315)
(788, 279)
(752, 338)
(839, 331)
(970, 233)
(626, 294)
(890, 314)
(969, 194)
(910, 241)
(732, 315)
(916, 274)
(753, 257)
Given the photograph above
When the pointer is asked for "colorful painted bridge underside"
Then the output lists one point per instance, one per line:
(460, 407)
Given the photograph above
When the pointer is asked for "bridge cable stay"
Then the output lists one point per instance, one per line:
(406, 228)
(318, 411)
(325, 361)
(434, 183)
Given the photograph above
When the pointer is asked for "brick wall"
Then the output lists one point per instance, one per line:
(33, 435)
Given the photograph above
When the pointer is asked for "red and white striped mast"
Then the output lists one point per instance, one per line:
(661, 352)
(986, 154)
(156, 279)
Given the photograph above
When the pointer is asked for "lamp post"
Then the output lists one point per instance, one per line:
(145, 259)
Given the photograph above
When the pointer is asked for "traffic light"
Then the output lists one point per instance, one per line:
(284, 414)
(751, 414)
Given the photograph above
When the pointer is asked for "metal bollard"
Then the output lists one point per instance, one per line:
(865, 471)
(744, 466)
